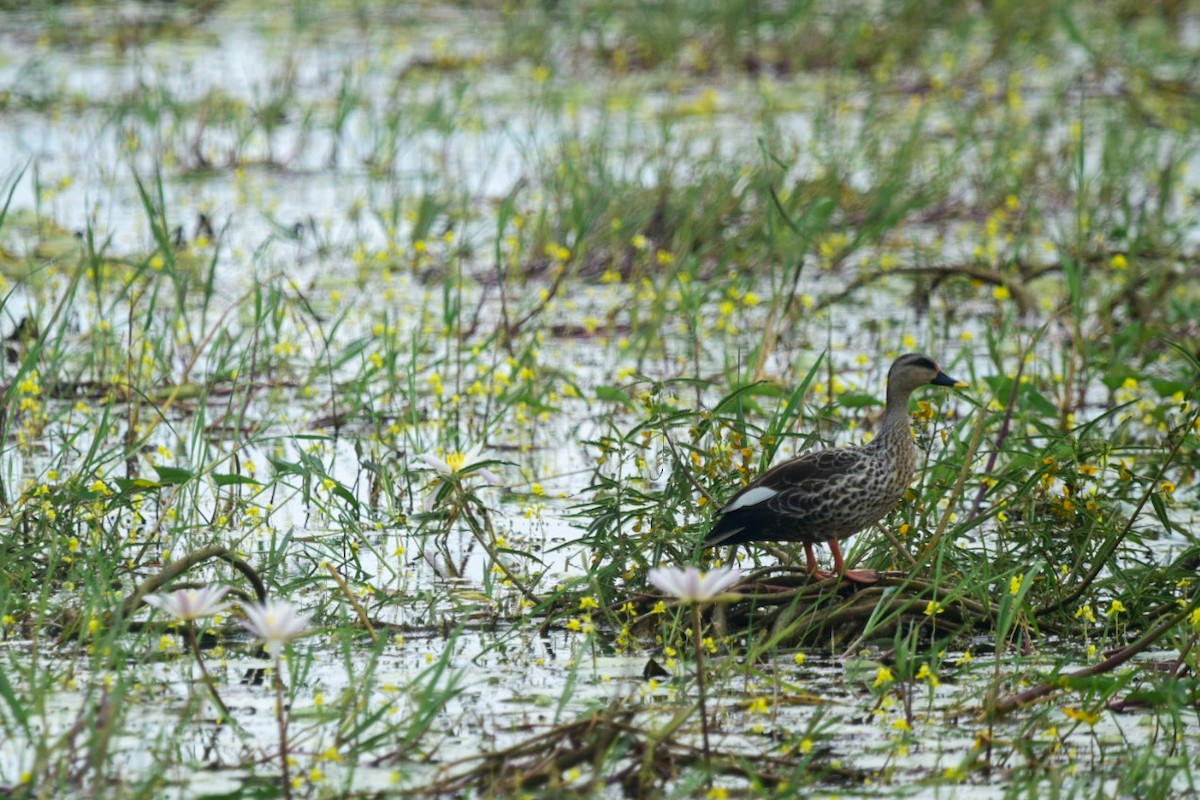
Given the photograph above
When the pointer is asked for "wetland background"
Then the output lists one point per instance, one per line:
(447, 322)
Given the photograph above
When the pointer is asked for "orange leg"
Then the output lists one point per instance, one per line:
(811, 567)
(856, 575)
(810, 563)
(839, 566)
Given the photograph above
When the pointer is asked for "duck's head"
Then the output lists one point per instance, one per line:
(913, 370)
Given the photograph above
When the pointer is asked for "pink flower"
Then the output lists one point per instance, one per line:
(690, 585)
(190, 604)
(276, 622)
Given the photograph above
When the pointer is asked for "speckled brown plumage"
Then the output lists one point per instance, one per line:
(828, 495)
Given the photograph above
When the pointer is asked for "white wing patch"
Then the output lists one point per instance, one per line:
(759, 494)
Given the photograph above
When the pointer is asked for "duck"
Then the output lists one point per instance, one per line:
(829, 495)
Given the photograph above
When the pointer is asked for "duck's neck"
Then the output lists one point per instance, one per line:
(895, 416)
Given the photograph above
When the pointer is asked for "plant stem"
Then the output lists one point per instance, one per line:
(283, 741)
(700, 679)
(194, 641)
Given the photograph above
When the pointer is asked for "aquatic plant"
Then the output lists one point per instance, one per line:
(455, 326)
(187, 606)
(278, 622)
(694, 588)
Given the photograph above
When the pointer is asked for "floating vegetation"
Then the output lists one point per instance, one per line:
(372, 375)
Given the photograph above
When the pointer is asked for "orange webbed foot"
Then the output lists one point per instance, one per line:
(863, 576)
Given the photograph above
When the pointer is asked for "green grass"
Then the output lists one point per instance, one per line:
(600, 263)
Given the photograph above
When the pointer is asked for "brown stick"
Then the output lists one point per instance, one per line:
(357, 606)
(174, 569)
(1015, 700)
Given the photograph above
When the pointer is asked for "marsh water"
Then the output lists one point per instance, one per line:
(299, 204)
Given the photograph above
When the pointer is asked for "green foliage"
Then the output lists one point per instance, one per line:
(454, 323)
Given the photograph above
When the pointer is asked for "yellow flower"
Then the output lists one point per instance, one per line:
(1079, 715)
(1086, 612)
(902, 725)
(1119, 261)
(1115, 607)
(927, 674)
(588, 602)
(1014, 584)
(800, 658)
(934, 607)
(883, 676)
(759, 705)
(1001, 293)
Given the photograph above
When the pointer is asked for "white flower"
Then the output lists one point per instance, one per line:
(460, 462)
(190, 604)
(693, 586)
(276, 622)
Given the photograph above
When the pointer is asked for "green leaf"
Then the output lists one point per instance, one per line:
(1118, 374)
(13, 702)
(613, 394)
(1160, 509)
(136, 485)
(1166, 388)
(283, 467)
(1040, 403)
(174, 475)
(345, 494)
(233, 479)
(857, 400)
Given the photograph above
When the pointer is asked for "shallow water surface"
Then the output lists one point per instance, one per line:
(344, 212)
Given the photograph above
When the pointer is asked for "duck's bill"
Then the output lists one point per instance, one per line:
(942, 379)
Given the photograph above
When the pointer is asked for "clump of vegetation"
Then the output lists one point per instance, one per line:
(449, 327)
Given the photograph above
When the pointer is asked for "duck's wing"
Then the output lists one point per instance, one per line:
(823, 465)
(778, 504)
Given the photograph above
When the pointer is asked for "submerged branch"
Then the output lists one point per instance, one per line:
(1015, 700)
(176, 568)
